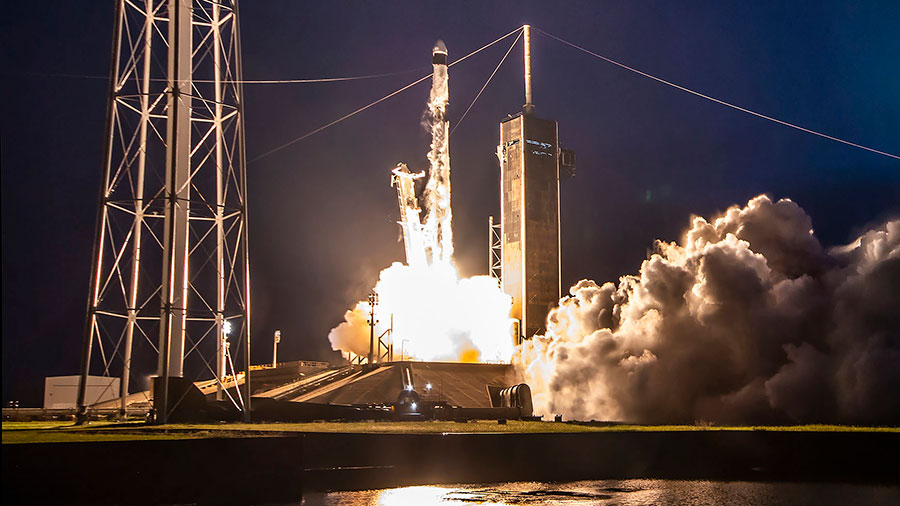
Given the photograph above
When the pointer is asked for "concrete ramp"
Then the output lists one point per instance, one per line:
(464, 385)
(306, 384)
(379, 386)
(461, 384)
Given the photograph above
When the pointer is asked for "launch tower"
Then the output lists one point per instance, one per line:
(170, 276)
(531, 166)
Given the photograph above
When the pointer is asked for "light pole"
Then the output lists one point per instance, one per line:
(373, 301)
(275, 348)
(221, 353)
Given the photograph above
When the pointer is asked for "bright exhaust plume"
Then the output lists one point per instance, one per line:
(434, 314)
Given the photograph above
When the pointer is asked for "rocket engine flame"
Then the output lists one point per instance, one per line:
(747, 319)
(435, 315)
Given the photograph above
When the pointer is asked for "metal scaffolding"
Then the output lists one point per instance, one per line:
(495, 250)
(170, 254)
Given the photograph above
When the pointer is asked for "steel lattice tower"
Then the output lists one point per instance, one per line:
(170, 270)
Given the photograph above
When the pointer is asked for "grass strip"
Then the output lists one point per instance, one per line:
(66, 431)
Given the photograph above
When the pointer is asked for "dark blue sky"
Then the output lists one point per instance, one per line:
(322, 211)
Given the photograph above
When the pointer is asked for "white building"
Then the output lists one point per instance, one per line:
(61, 392)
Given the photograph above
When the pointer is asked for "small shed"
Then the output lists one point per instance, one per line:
(61, 392)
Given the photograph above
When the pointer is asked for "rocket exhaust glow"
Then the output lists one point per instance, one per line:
(437, 191)
(436, 315)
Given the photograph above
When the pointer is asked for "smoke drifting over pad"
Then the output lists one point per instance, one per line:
(748, 319)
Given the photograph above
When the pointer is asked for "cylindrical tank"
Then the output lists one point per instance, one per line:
(517, 396)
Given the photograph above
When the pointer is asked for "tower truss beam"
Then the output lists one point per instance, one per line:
(170, 255)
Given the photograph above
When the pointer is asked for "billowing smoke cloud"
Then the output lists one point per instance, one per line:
(353, 334)
(747, 319)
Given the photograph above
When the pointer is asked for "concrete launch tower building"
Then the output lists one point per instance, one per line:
(531, 166)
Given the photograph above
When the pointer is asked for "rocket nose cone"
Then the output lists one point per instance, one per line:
(439, 47)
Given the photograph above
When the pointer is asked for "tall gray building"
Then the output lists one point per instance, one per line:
(529, 194)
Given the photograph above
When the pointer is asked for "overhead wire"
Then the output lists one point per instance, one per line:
(559, 39)
(486, 84)
(69, 76)
(245, 81)
(319, 80)
(342, 118)
(382, 99)
(482, 48)
(716, 100)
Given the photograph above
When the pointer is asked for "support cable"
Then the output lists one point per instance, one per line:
(342, 118)
(319, 80)
(248, 81)
(721, 102)
(382, 99)
(485, 85)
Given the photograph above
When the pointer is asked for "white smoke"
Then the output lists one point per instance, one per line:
(746, 319)
(353, 334)
(438, 220)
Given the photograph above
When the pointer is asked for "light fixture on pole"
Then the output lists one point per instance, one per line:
(275, 348)
(373, 301)
(221, 359)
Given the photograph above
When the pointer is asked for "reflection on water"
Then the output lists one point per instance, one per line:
(615, 492)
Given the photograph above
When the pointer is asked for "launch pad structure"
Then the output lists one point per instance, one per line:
(171, 251)
(531, 166)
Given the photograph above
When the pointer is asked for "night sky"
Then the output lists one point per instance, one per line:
(322, 212)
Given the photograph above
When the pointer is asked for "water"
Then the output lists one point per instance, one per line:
(617, 492)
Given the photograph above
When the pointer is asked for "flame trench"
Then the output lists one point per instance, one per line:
(432, 313)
